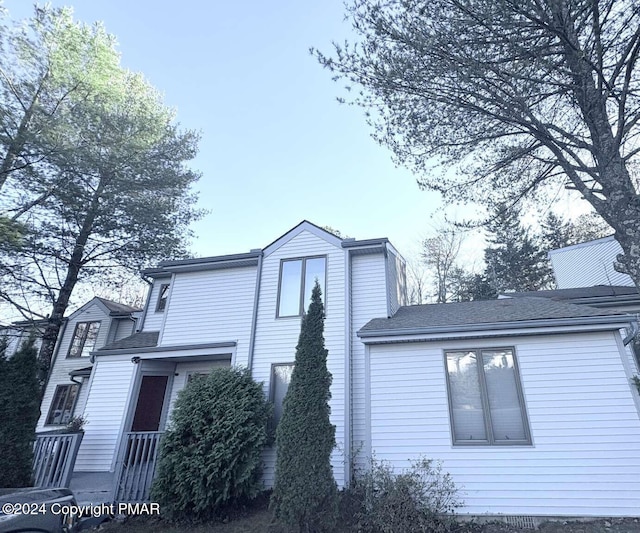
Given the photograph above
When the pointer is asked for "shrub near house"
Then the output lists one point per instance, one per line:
(210, 457)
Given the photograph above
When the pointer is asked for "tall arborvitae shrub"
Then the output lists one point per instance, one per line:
(211, 455)
(19, 411)
(305, 492)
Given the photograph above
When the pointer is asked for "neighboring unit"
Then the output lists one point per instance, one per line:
(588, 264)
(15, 334)
(93, 325)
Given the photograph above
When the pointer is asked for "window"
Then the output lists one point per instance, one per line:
(84, 339)
(196, 375)
(280, 379)
(162, 297)
(297, 277)
(485, 398)
(64, 401)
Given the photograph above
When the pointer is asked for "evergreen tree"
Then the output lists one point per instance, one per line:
(556, 232)
(514, 260)
(305, 492)
(19, 409)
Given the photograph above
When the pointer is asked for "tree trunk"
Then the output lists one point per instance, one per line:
(62, 301)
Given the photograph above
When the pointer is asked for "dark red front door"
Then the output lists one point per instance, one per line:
(150, 401)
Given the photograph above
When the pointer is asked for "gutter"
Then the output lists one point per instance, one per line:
(166, 348)
(521, 324)
(254, 319)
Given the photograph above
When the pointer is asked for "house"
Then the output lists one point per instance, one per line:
(588, 264)
(16, 333)
(96, 323)
(546, 425)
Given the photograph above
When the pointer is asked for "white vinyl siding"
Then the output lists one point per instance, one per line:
(368, 299)
(62, 364)
(122, 328)
(276, 338)
(212, 306)
(105, 412)
(183, 370)
(153, 319)
(584, 459)
(396, 278)
(595, 260)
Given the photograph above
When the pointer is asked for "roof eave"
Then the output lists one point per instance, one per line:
(615, 321)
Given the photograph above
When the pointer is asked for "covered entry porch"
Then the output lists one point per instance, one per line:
(156, 388)
(132, 393)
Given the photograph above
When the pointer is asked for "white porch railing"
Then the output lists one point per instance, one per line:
(54, 455)
(137, 466)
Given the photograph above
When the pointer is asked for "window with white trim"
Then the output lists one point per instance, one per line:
(84, 339)
(64, 401)
(297, 278)
(485, 397)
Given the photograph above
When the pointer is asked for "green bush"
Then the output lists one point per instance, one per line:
(210, 457)
(419, 500)
(19, 409)
(305, 492)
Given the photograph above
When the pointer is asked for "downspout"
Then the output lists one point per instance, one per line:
(632, 334)
(347, 368)
(146, 304)
(629, 338)
(254, 319)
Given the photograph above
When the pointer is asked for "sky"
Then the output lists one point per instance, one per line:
(276, 145)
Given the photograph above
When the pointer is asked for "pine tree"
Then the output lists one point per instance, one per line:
(19, 409)
(556, 232)
(305, 492)
(514, 259)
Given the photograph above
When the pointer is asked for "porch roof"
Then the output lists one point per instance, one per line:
(141, 339)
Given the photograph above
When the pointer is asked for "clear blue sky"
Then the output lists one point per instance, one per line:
(276, 145)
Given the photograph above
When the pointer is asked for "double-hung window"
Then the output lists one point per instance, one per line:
(84, 339)
(297, 278)
(64, 401)
(485, 398)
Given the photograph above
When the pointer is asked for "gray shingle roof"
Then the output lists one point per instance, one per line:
(579, 292)
(465, 314)
(118, 307)
(142, 339)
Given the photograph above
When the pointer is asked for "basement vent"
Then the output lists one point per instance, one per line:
(522, 522)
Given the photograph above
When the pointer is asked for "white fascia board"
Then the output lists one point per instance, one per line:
(581, 245)
(303, 226)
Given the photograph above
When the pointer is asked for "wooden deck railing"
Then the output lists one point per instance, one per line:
(137, 466)
(54, 455)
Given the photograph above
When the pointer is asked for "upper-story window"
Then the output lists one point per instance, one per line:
(162, 297)
(84, 339)
(297, 277)
(485, 397)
